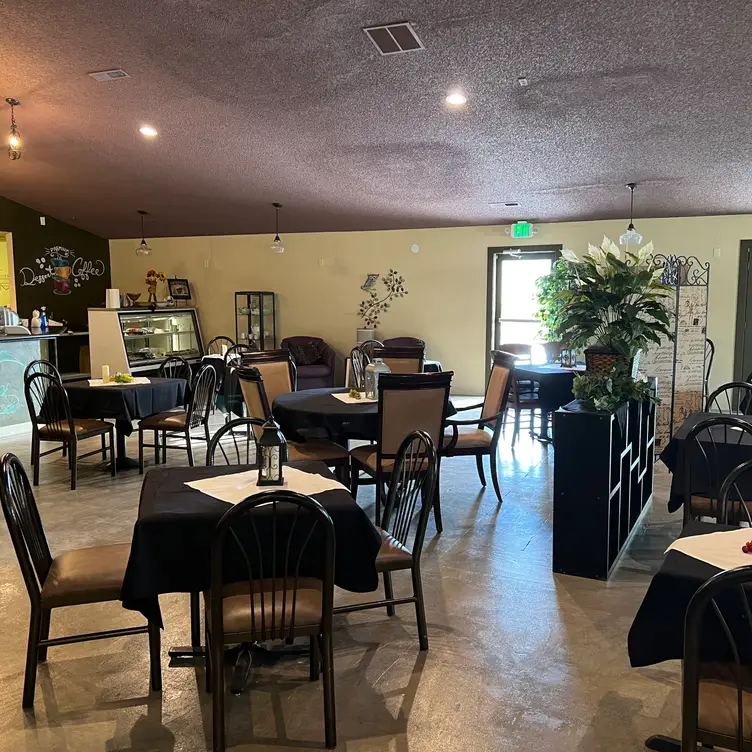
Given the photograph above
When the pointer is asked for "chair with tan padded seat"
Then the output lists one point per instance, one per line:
(258, 405)
(51, 420)
(469, 438)
(281, 598)
(73, 578)
(710, 451)
(412, 486)
(407, 403)
(277, 368)
(716, 692)
(404, 359)
(180, 423)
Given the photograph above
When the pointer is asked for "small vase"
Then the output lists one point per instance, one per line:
(365, 334)
(152, 293)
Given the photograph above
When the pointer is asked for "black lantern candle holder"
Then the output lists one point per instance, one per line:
(272, 449)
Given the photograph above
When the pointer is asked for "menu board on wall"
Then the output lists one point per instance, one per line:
(680, 382)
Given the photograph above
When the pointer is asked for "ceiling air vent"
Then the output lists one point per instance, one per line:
(393, 39)
(109, 75)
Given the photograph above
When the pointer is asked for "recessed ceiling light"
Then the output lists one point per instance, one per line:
(456, 99)
(522, 81)
(148, 131)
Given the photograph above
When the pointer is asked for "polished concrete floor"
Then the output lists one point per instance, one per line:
(520, 659)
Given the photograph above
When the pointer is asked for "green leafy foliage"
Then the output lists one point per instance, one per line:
(613, 302)
(550, 302)
(607, 392)
(373, 306)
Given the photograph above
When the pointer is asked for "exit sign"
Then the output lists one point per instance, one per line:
(522, 230)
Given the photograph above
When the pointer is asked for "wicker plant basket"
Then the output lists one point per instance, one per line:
(600, 360)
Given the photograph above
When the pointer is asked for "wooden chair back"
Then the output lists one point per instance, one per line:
(411, 488)
(276, 538)
(277, 369)
(500, 382)
(410, 403)
(48, 405)
(402, 359)
(254, 395)
(24, 525)
(234, 443)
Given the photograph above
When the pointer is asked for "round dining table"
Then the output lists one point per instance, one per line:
(124, 403)
(319, 408)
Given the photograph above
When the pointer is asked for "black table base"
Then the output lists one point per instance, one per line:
(662, 743)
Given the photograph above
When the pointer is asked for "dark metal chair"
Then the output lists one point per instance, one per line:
(403, 359)
(235, 353)
(407, 403)
(176, 367)
(522, 353)
(215, 345)
(280, 537)
(412, 486)
(234, 443)
(711, 450)
(736, 495)
(709, 358)
(469, 438)
(73, 578)
(180, 423)
(358, 362)
(41, 366)
(716, 695)
(734, 398)
(369, 346)
(52, 421)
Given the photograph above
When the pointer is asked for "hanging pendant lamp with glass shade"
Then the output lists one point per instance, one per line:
(277, 245)
(143, 248)
(631, 236)
(14, 137)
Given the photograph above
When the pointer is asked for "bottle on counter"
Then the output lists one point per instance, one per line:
(44, 322)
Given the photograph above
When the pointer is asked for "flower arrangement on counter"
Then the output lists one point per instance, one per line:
(152, 277)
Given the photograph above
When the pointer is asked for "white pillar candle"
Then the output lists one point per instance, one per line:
(224, 350)
(105, 374)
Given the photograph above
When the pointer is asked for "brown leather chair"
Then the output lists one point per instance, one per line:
(73, 578)
(273, 602)
(277, 368)
(51, 420)
(180, 423)
(470, 437)
(402, 359)
(258, 405)
(407, 403)
(412, 487)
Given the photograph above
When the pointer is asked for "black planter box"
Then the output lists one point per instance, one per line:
(603, 483)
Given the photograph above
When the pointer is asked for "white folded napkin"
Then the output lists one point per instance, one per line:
(722, 549)
(238, 486)
(136, 380)
(348, 400)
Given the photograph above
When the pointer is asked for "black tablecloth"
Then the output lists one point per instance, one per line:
(738, 449)
(555, 384)
(657, 633)
(317, 408)
(125, 402)
(170, 552)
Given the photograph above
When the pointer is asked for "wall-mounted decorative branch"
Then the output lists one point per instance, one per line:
(374, 306)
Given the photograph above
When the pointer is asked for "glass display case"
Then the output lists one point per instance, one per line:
(150, 337)
(256, 319)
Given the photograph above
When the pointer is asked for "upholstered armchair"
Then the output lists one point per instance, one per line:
(314, 359)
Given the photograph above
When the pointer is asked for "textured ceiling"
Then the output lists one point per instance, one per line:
(288, 100)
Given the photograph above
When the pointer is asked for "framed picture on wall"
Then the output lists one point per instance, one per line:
(179, 289)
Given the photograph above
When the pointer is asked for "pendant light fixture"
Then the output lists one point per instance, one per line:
(277, 246)
(631, 235)
(143, 248)
(14, 137)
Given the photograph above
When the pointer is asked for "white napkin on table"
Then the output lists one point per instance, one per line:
(722, 550)
(136, 380)
(348, 400)
(238, 486)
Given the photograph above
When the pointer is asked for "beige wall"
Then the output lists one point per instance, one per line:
(318, 279)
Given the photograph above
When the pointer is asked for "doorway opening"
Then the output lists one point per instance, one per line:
(743, 348)
(512, 296)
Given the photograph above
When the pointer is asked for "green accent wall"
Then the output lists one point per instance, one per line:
(57, 265)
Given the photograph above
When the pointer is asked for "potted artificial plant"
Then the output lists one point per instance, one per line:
(375, 305)
(613, 307)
